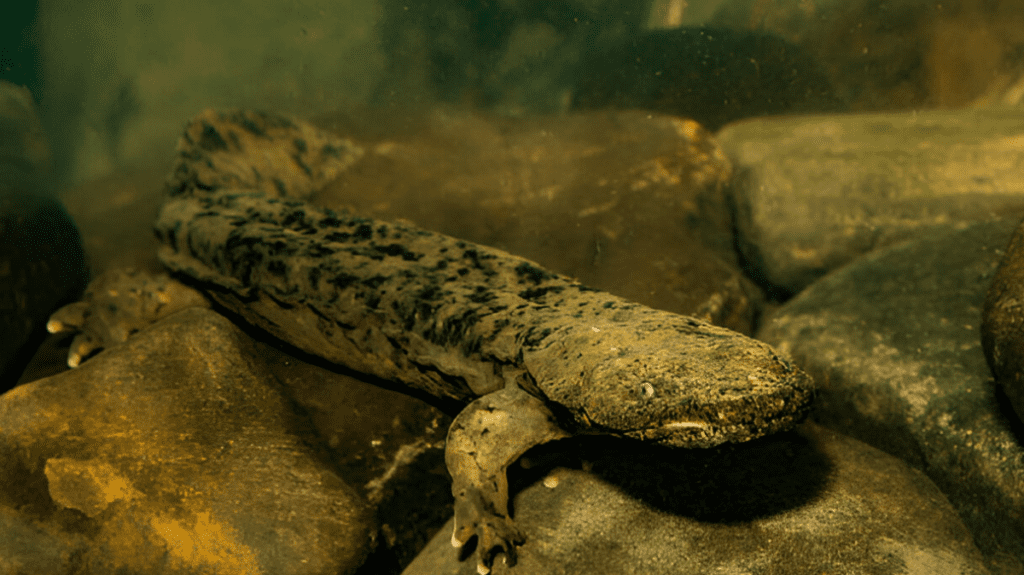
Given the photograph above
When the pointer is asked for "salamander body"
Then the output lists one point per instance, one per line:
(534, 355)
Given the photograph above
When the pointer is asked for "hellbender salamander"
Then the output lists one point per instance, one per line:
(534, 355)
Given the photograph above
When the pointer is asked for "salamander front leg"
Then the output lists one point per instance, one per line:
(490, 434)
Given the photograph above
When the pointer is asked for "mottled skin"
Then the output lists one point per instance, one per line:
(535, 355)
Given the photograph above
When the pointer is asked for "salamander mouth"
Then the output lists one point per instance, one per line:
(695, 433)
(678, 433)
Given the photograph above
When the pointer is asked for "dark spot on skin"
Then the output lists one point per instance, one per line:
(363, 232)
(534, 293)
(237, 241)
(320, 251)
(329, 222)
(243, 261)
(462, 271)
(533, 273)
(429, 293)
(533, 337)
(235, 142)
(250, 126)
(372, 300)
(342, 280)
(300, 144)
(314, 276)
(282, 248)
(171, 235)
(281, 188)
(443, 264)
(499, 325)
(277, 268)
(302, 165)
(375, 282)
(293, 217)
(398, 250)
(474, 257)
(452, 332)
(608, 305)
(211, 140)
(481, 295)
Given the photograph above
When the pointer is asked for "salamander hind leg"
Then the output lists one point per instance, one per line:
(485, 438)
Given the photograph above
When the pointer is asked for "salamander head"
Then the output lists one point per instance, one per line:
(685, 385)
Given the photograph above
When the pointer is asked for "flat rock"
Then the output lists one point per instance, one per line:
(172, 453)
(813, 193)
(809, 501)
(892, 341)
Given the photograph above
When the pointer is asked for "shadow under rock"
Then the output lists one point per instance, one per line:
(1007, 413)
(730, 483)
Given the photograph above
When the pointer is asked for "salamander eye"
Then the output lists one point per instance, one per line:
(646, 390)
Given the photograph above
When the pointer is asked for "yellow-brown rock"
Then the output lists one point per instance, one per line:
(173, 453)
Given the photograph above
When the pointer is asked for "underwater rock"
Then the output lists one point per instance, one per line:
(893, 343)
(900, 54)
(395, 462)
(632, 203)
(41, 260)
(813, 193)
(712, 75)
(808, 501)
(384, 442)
(42, 265)
(175, 452)
(1002, 323)
(388, 445)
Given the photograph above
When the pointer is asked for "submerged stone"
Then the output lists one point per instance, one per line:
(809, 501)
(813, 193)
(174, 452)
(893, 343)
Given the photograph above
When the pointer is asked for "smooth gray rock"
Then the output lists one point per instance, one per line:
(893, 342)
(813, 193)
(806, 502)
(175, 452)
